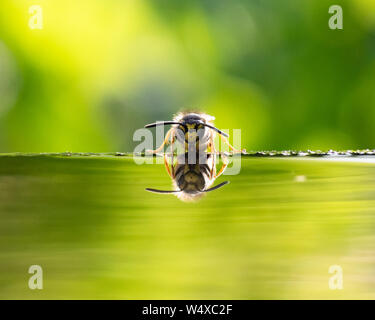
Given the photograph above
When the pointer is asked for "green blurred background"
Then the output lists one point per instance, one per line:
(98, 70)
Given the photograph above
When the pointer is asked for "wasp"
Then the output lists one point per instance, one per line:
(195, 169)
(192, 180)
(193, 130)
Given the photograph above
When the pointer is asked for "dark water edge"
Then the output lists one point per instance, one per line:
(273, 153)
(273, 232)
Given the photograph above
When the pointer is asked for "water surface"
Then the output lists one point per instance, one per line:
(273, 232)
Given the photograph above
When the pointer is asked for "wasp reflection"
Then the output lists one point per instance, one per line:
(192, 175)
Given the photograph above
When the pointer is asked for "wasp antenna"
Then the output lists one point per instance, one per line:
(161, 191)
(217, 187)
(161, 123)
(216, 129)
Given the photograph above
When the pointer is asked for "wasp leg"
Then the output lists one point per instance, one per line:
(225, 140)
(213, 154)
(223, 167)
(213, 170)
(172, 150)
(167, 166)
(164, 142)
